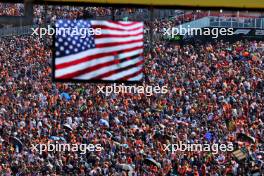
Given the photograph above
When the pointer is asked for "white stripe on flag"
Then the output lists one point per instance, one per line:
(84, 65)
(94, 51)
(123, 73)
(113, 39)
(116, 32)
(108, 69)
(136, 78)
(113, 25)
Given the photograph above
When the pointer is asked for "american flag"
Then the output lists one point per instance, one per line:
(116, 54)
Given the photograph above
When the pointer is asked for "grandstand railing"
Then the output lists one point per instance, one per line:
(234, 22)
(226, 22)
(27, 30)
(14, 31)
(143, 15)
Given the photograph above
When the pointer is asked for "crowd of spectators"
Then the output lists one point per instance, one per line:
(215, 87)
(70, 12)
(11, 9)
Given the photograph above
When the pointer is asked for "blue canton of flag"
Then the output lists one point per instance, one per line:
(70, 40)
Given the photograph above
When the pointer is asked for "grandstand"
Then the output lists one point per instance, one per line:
(216, 90)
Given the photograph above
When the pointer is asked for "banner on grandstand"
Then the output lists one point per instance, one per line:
(92, 50)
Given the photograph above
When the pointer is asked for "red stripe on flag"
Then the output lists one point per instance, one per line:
(125, 78)
(123, 24)
(96, 56)
(103, 27)
(117, 43)
(118, 70)
(117, 35)
(88, 70)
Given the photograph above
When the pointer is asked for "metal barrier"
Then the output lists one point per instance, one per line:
(234, 22)
(26, 30)
(14, 31)
(143, 15)
(226, 22)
